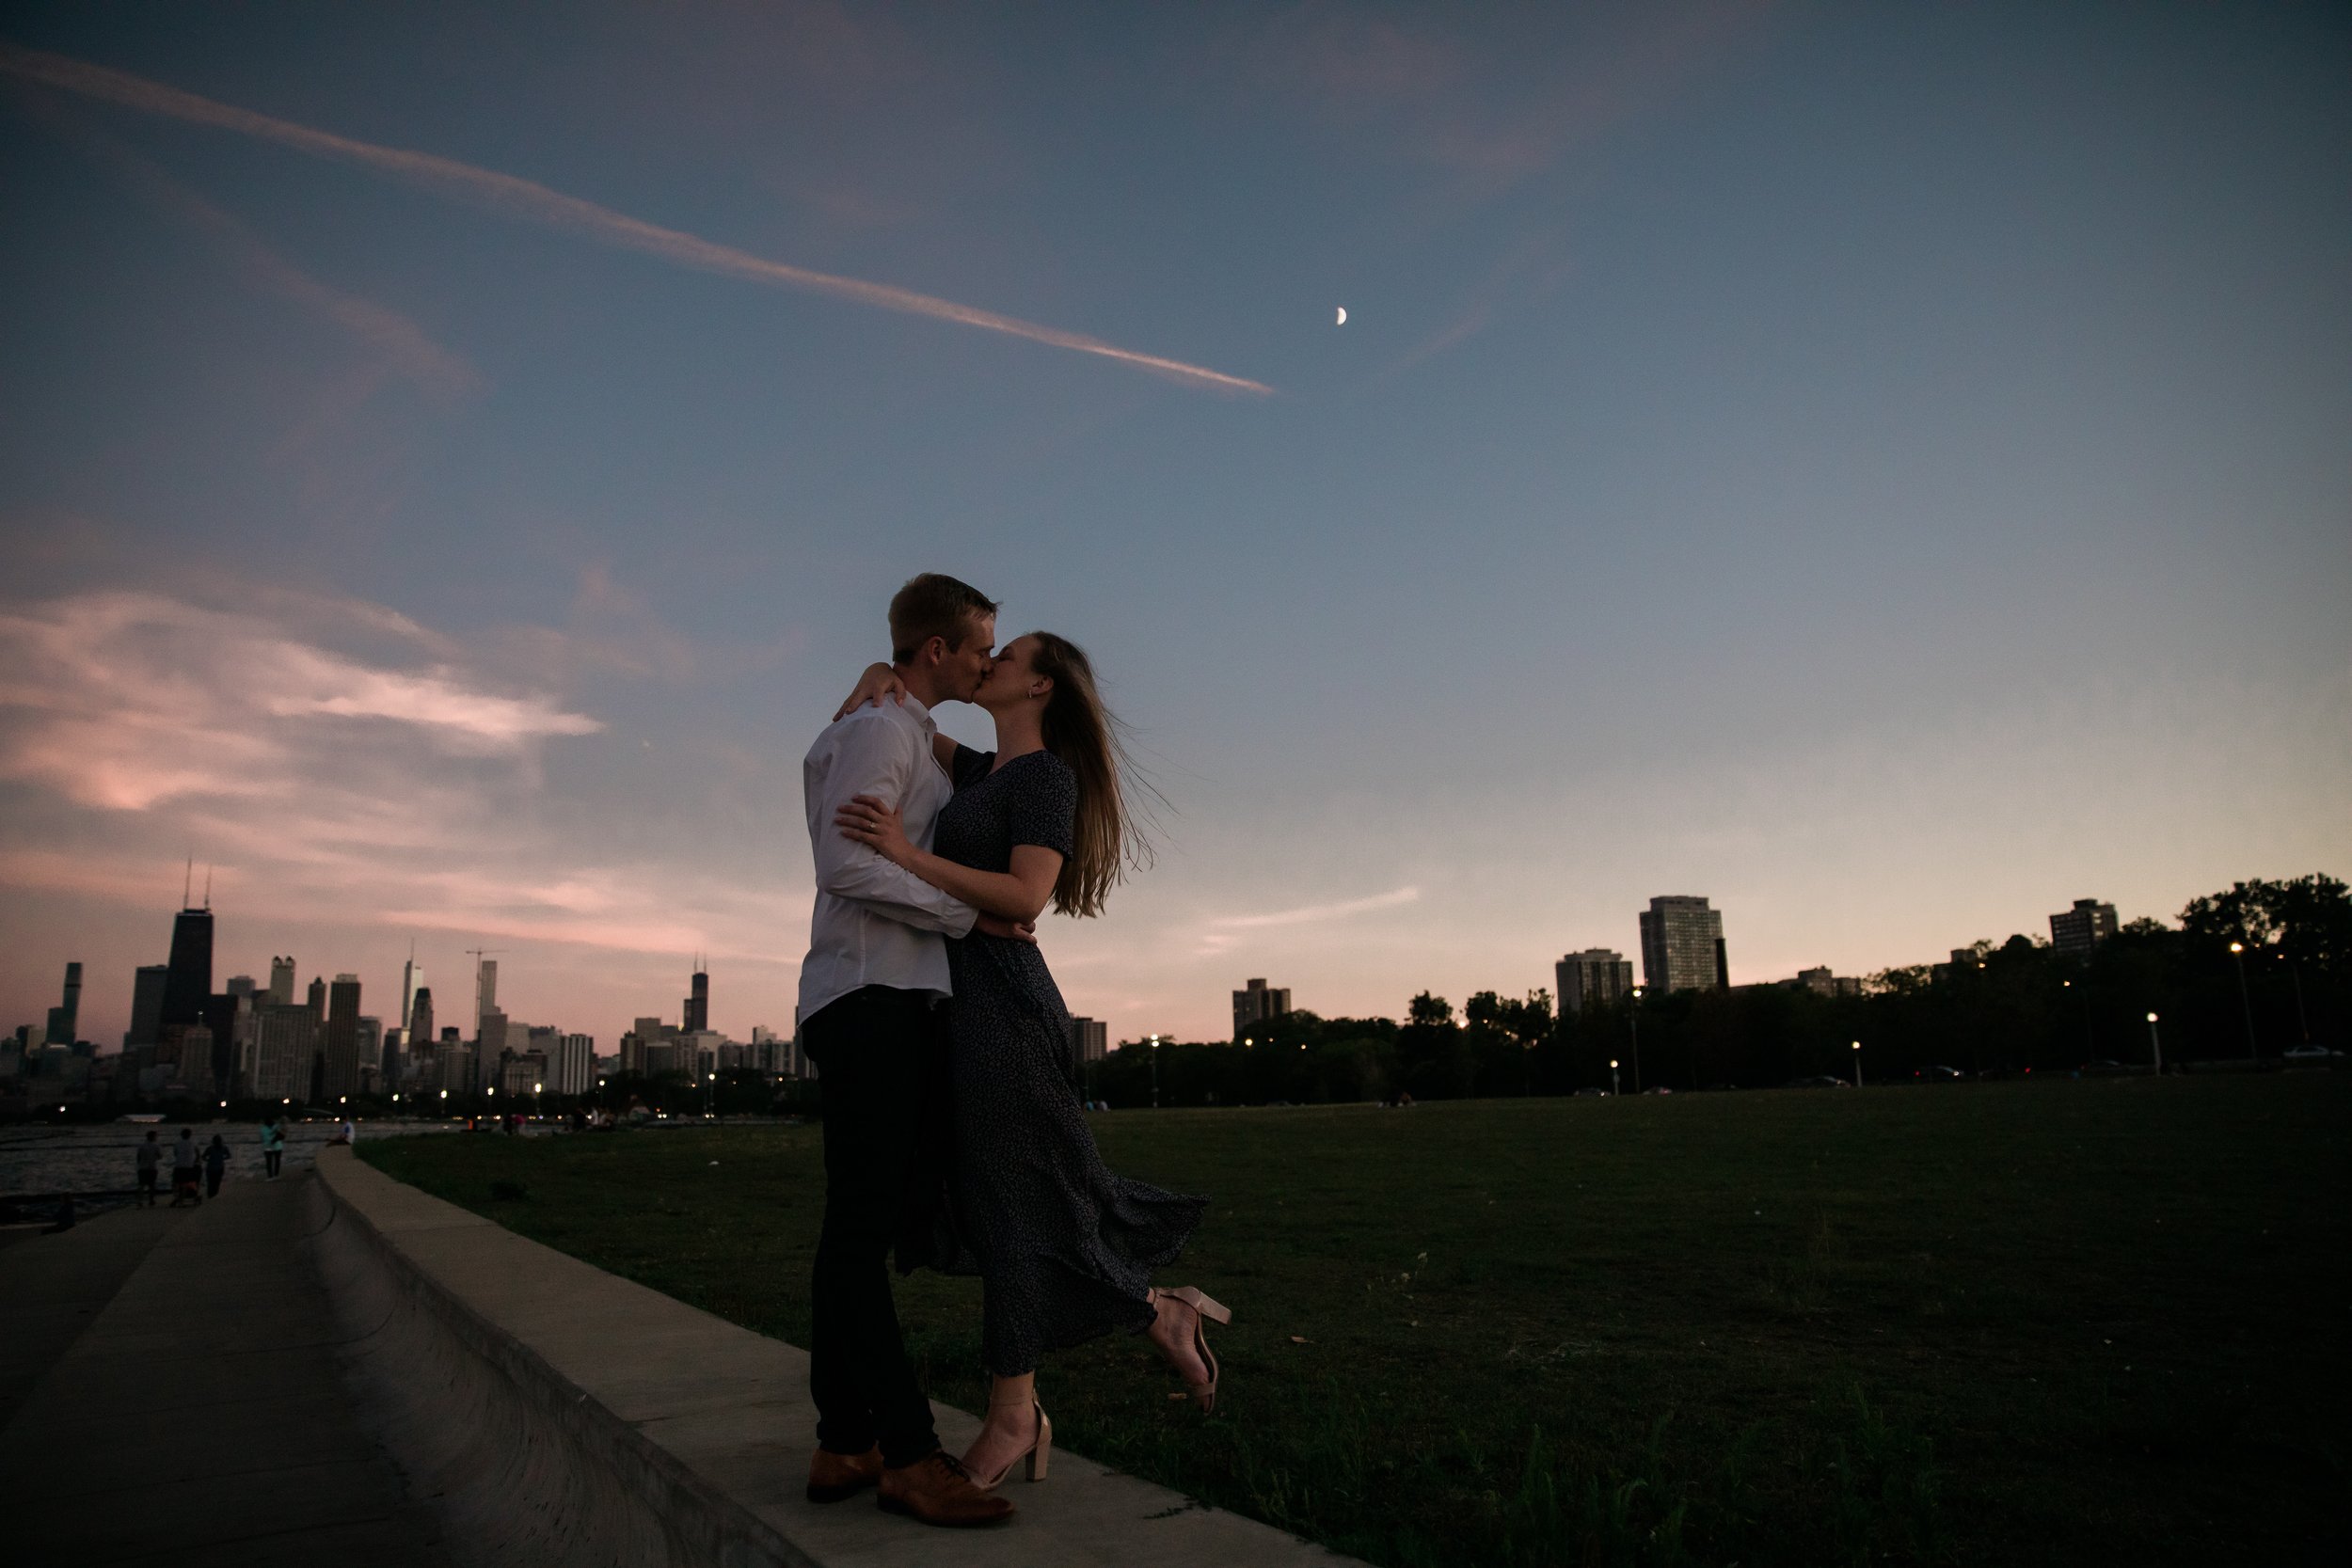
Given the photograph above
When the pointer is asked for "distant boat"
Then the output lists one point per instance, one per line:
(142, 1115)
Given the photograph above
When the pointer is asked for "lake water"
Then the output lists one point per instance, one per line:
(98, 1164)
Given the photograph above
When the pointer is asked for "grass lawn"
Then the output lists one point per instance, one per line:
(2063, 1323)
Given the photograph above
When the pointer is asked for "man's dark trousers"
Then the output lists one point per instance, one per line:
(876, 1051)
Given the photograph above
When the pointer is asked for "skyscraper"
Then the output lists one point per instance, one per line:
(410, 978)
(342, 1037)
(281, 981)
(65, 1020)
(318, 997)
(1596, 978)
(420, 1036)
(147, 1006)
(698, 1004)
(486, 992)
(190, 980)
(1256, 1003)
(1682, 945)
(2082, 928)
(572, 1065)
(285, 1037)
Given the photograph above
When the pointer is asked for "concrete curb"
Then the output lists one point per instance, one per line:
(552, 1413)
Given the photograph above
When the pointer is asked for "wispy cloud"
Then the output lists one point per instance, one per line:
(1526, 272)
(1310, 914)
(326, 784)
(527, 199)
(125, 699)
(1430, 98)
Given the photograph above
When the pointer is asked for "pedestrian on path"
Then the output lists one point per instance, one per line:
(348, 1132)
(216, 1162)
(151, 1157)
(273, 1146)
(184, 1164)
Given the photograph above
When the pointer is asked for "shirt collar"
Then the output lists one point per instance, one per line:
(922, 714)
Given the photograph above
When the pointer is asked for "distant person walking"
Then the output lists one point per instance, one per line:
(151, 1160)
(272, 1146)
(216, 1165)
(185, 1162)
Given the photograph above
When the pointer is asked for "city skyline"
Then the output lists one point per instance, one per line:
(1882, 467)
(1594, 976)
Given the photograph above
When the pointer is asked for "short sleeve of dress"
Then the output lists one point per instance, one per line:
(1044, 809)
(970, 766)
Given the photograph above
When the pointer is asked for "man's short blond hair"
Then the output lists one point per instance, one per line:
(934, 605)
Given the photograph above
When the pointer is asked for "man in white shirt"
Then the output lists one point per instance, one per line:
(872, 989)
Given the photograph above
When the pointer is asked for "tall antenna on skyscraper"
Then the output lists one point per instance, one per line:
(208, 887)
(187, 882)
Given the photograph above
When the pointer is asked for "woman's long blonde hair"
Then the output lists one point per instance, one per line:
(1091, 742)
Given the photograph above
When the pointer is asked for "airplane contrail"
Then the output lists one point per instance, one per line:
(526, 198)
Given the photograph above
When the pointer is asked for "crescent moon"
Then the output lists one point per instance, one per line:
(1343, 321)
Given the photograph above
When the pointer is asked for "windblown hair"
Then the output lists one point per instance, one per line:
(934, 605)
(1092, 741)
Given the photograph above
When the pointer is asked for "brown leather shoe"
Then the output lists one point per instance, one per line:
(939, 1491)
(834, 1476)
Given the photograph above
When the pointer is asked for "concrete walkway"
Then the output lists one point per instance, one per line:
(173, 1395)
(336, 1367)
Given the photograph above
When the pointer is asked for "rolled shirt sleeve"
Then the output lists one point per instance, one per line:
(869, 759)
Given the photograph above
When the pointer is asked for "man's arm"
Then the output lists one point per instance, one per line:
(874, 759)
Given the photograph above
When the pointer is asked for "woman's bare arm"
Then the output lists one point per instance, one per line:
(1018, 894)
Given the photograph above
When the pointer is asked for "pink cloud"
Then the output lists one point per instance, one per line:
(373, 795)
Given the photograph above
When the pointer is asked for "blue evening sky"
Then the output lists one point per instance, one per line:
(1887, 468)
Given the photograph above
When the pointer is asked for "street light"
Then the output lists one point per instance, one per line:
(1614, 1085)
(2237, 953)
(1634, 1019)
(1155, 1073)
(2302, 1019)
(2155, 1046)
(1857, 1064)
(2090, 1043)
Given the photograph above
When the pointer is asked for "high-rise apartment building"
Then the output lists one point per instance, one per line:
(341, 1042)
(2082, 928)
(282, 980)
(1823, 981)
(1089, 1040)
(1596, 978)
(572, 1065)
(1682, 945)
(1255, 1003)
(486, 992)
(65, 1020)
(190, 977)
(285, 1037)
(147, 1006)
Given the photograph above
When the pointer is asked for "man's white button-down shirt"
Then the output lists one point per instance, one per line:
(876, 924)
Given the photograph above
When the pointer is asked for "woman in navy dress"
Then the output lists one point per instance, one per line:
(1065, 1249)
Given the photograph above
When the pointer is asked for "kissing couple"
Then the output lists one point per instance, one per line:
(951, 1131)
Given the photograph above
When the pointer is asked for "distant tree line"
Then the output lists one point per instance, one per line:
(1997, 1011)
